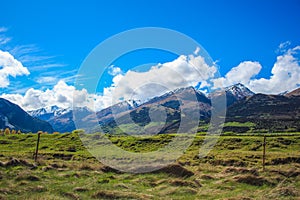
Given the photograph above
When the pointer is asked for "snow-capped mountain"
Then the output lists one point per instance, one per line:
(233, 93)
(62, 120)
(65, 121)
(48, 112)
(239, 91)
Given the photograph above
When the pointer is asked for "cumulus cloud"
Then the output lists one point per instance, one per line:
(285, 74)
(61, 95)
(9, 66)
(239, 74)
(182, 72)
(142, 85)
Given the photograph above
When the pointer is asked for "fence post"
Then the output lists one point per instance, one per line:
(264, 153)
(37, 147)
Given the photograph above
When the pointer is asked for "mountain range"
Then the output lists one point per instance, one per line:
(246, 111)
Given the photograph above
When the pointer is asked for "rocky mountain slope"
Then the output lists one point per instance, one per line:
(233, 93)
(268, 112)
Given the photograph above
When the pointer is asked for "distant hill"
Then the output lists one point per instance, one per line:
(115, 110)
(14, 117)
(267, 112)
(62, 120)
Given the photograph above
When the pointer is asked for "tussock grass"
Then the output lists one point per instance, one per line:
(231, 170)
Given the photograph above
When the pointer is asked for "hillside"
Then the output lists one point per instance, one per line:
(161, 114)
(267, 112)
(13, 117)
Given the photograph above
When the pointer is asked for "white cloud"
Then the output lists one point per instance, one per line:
(61, 95)
(4, 40)
(239, 74)
(112, 70)
(283, 46)
(46, 80)
(285, 74)
(182, 72)
(9, 66)
(197, 50)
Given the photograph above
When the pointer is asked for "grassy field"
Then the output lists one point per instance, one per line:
(232, 170)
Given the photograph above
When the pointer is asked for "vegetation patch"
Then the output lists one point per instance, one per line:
(176, 170)
(119, 195)
(251, 180)
(241, 170)
(27, 177)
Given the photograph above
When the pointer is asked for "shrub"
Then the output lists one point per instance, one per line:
(6, 131)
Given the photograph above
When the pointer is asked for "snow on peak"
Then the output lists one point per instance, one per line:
(239, 90)
(54, 110)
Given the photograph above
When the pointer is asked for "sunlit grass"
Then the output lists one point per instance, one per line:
(232, 169)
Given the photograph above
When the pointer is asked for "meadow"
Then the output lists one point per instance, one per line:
(232, 170)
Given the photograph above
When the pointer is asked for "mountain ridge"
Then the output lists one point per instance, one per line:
(237, 96)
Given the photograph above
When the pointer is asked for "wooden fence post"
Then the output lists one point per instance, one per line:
(264, 153)
(37, 147)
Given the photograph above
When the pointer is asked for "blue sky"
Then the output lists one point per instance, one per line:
(52, 38)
